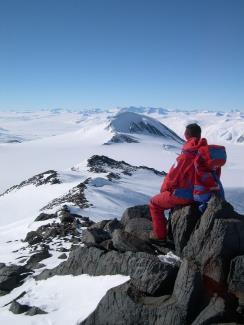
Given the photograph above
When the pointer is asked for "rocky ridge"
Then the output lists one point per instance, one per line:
(203, 285)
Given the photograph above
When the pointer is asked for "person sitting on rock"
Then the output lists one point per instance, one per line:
(193, 177)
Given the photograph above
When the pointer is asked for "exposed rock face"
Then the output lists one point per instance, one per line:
(140, 211)
(12, 276)
(203, 287)
(139, 227)
(45, 216)
(76, 196)
(200, 294)
(94, 261)
(236, 279)
(103, 164)
(183, 222)
(218, 238)
(17, 308)
(151, 276)
(124, 241)
(122, 138)
(125, 305)
(48, 177)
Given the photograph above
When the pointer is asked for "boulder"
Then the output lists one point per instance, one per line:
(218, 238)
(94, 236)
(151, 276)
(182, 224)
(45, 216)
(37, 257)
(139, 227)
(218, 311)
(33, 238)
(17, 308)
(35, 311)
(124, 241)
(125, 305)
(12, 276)
(236, 279)
(95, 261)
(139, 211)
(120, 306)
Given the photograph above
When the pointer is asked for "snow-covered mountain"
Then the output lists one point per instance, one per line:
(96, 163)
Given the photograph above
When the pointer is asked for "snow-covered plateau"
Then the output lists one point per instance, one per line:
(97, 163)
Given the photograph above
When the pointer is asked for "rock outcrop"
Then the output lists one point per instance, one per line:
(203, 283)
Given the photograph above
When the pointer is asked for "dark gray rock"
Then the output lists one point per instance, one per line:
(95, 261)
(124, 241)
(94, 236)
(62, 256)
(139, 227)
(218, 311)
(107, 244)
(33, 238)
(125, 305)
(218, 238)
(112, 225)
(45, 216)
(18, 308)
(188, 289)
(236, 279)
(35, 311)
(37, 257)
(12, 276)
(120, 306)
(139, 211)
(182, 224)
(151, 276)
(65, 216)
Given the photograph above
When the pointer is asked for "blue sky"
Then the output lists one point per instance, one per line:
(104, 53)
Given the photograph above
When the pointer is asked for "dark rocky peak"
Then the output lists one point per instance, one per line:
(122, 138)
(103, 164)
(75, 196)
(48, 177)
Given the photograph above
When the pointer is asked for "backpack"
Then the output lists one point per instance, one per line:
(208, 163)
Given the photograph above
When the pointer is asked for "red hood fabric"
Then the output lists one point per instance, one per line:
(194, 144)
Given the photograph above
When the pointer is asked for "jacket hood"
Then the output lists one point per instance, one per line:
(194, 144)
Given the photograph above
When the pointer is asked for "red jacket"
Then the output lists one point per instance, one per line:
(181, 176)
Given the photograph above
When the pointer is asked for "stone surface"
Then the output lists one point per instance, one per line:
(151, 276)
(124, 241)
(182, 224)
(37, 257)
(122, 305)
(95, 261)
(12, 276)
(94, 236)
(33, 238)
(139, 227)
(218, 238)
(35, 311)
(139, 211)
(17, 308)
(45, 216)
(236, 279)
